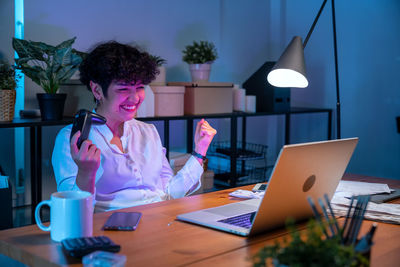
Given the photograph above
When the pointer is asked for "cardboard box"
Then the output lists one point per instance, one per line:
(207, 97)
(168, 100)
(207, 181)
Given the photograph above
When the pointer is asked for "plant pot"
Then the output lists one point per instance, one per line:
(200, 72)
(51, 106)
(7, 104)
(160, 78)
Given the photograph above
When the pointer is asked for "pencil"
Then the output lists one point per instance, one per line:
(326, 216)
(332, 214)
(317, 216)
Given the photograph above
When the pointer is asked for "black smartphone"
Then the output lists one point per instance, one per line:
(82, 122)
(259, 188)
(123, 221)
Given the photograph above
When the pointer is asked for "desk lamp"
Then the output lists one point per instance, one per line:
(290, 70)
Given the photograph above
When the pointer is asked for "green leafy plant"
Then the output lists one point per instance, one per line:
(311, 250)
(7, 76)
(47, 65)
(199, 53)
(158, 60)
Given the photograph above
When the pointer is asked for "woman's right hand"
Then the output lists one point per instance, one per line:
(87, 158)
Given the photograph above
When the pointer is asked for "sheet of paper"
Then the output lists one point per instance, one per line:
(351, 188)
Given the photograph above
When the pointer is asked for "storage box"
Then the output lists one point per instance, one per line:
(207, 97)
(168, 100)
(268, 97)
(207, 182)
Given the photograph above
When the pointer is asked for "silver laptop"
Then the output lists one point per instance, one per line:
(301, 170)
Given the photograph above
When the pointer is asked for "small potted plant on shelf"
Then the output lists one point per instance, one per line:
(7, 91)
(48, 66)
(200, 56)
(161, 76)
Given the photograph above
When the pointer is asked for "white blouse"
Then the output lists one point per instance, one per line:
(139, 175)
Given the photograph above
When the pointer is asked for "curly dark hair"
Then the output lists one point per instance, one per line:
(113, 61)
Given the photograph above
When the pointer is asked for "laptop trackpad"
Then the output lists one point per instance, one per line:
(232, 209)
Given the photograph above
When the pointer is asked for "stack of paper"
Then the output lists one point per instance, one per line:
(384, 212)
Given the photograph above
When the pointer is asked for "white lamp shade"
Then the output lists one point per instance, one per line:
(287, 78)
(290, 70)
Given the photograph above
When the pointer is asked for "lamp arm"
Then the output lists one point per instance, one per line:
(338, 131)
(314, 23)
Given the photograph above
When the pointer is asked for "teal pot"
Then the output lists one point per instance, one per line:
(51, 106)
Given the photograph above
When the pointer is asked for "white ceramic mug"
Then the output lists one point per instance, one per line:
(71, 215)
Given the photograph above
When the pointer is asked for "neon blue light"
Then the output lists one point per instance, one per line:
(19, 33)
(19, 138)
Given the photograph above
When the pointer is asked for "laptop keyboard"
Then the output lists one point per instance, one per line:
(243, 220)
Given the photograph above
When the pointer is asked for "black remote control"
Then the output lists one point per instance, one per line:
(82, 122)
(81, 246)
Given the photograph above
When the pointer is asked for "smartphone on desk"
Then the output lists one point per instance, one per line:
(123, 221)
(259, 188)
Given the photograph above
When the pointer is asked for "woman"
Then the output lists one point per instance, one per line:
(123, 162)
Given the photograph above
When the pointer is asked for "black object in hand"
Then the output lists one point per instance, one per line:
(81, 246)
(82, 122)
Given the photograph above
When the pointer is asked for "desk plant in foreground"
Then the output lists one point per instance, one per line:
(324, 243)
(48, 66)
(200, 56)
(7, 91)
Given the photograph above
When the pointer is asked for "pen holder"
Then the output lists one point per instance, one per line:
(364, 246)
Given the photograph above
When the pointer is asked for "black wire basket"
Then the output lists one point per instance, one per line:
(244, 151)
(251, 163)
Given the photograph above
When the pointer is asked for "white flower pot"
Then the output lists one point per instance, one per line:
(161, 77)
(200, 72)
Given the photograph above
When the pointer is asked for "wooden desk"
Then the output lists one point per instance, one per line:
(163, 241)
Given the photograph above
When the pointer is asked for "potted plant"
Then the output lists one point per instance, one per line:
(7, 91)
(309, 249)
(161, 76)
(200, 56)
(48, 66)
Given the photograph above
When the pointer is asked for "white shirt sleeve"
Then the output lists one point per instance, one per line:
(65, 169)
(185, 182)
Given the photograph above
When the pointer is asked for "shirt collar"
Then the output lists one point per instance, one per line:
(107, 133)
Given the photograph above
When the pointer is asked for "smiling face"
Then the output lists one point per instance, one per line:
(121, 103)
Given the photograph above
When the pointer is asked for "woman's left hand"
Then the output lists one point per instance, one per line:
(203, 136)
